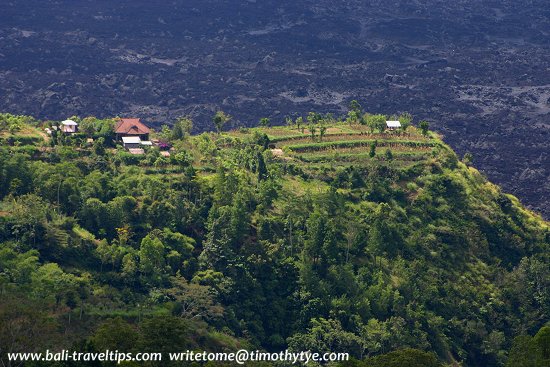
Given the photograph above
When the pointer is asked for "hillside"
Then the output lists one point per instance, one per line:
(320, 235)
(478, 70)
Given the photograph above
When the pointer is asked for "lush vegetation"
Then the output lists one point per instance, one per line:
(381, 244)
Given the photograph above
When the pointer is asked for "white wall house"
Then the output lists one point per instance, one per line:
(392, 125)
(131, 142)
(69, 126)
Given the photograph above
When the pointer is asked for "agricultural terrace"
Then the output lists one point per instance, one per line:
(343, 144)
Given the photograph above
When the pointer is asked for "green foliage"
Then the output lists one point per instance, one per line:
(372, 151)
(530, 351)
(182, 128)
(13, 123)
(406, 120)
(400, 358)
(376, 122)
(424, 126)
(220, 119)
(326, 335)
(97, 128)
(227, 243)
(468, 159)
(264, 121)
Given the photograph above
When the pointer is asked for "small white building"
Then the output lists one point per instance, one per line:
(69, 126)
(131, 142)
(392, 125)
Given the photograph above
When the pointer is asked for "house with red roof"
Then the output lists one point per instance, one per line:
(131, 127)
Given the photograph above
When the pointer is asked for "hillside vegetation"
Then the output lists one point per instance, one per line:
(328, 236)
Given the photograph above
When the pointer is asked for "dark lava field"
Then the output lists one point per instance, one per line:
(479, 71)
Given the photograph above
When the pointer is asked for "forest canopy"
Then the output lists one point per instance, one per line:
(326, 234)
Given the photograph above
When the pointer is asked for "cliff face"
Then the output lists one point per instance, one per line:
(477, 70)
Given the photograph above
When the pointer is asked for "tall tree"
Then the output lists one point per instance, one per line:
(264, 121)
(406, 120)
(182, 127)
(424, 126)
(220, 119)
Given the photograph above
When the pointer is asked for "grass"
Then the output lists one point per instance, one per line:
(359, 143)
(344, 145)
(84, 234)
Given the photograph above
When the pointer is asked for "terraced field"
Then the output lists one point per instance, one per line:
(349, 145)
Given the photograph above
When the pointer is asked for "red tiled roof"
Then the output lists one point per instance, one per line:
(131, 127)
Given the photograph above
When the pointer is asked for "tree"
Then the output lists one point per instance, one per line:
(372, 151)
(24, 327)
(115, 334)
(312, 130)
(261, 167)
(220, 119)
(151, 256)
(541, 347)
(193, 301)
(327, 335)
(468, 158)
(405, 119)
(424, 125)
(376, 122)
(166, 134)
(402, 358)
(313, 118)
(165, 334)
(522, 353)
(530, 351)
(352, 118)
(355, 107)
(99, 146)
(388, 154)
(264, 121)
(354, 113)
(182, 127)
(322, 130)
(87, 126)
(380, 122)
(50, 282)
(384, 238)
(299, 122)
(183, 159)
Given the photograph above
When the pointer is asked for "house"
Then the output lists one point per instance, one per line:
(131, 127)
(135, 142)
(69, 127)
(131, 142)
(392, 125)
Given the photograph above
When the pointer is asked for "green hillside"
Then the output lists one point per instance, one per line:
(329, 236)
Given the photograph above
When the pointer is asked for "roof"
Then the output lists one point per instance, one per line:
(131, 127)
(136, 151)
(69, 123)
(393, 124)
(146, 142)
(131, 140)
